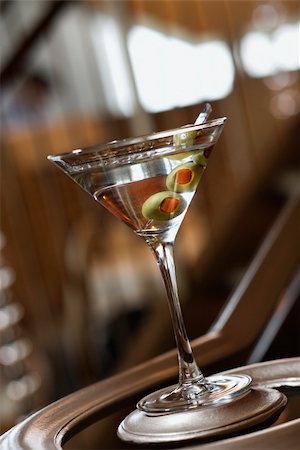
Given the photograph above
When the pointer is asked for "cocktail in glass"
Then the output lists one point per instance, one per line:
(148, 182)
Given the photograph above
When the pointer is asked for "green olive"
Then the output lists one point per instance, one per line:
(184, 177)
(199, 158)
(181, 155)
(163, 206)
(185, 138)
(202, 156)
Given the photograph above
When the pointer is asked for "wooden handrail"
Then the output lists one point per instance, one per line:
(17, 58)
(263, 282)
(48, 428)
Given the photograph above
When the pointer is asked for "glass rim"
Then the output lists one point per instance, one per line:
(114, 144)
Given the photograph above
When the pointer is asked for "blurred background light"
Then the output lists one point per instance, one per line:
(280, 80)
(257, 54)
(113, 67)
(149, 54)
(285, 104)
(18, 389)
(14, 352)
(182, 67)
(215, 69)
(265, 54)
(286, 41)
(171, 72)
(267, 16)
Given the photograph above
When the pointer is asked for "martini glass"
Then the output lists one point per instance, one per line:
(148, 182)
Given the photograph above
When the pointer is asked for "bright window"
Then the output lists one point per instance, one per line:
(171, 72)
(265, 54)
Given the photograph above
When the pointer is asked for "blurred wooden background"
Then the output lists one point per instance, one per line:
(65, 251)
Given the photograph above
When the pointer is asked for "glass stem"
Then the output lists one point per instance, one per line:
(189, 373)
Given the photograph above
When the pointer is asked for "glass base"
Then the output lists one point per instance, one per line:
(213, 390)
(255, 407)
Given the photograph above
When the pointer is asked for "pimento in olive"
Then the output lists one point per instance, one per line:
(163, 206)
(184, 178)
